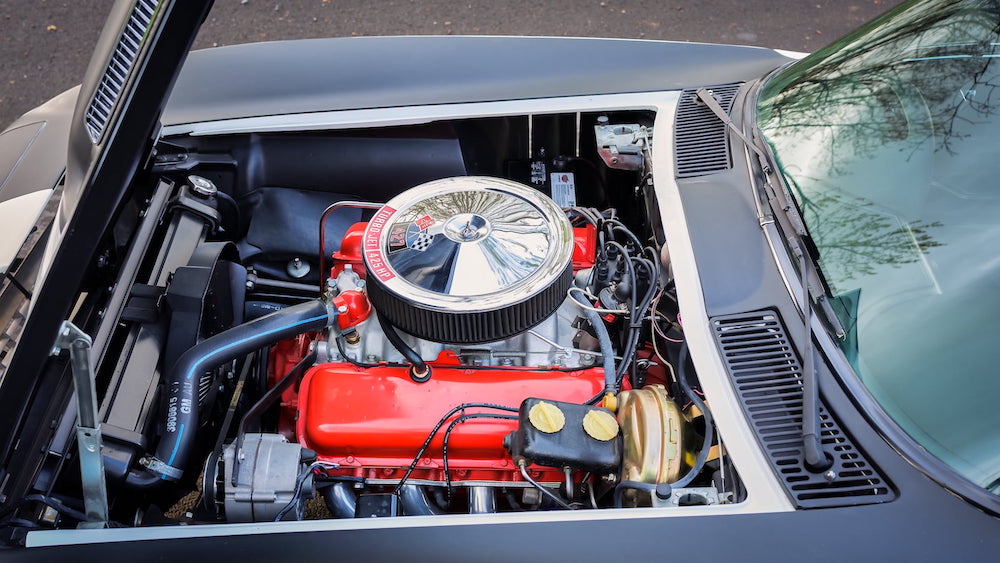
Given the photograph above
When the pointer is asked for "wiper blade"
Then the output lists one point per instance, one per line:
(815, 458)
(801, 242)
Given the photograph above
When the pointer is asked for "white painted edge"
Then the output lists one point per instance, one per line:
(797, 55)
(411, 115)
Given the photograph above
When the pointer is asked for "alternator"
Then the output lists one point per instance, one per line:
(271, 478)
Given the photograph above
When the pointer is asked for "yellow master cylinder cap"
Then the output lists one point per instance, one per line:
(600, 425)
(546, 417)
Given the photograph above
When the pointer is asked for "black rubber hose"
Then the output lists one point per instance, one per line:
(181, 416)
(229, 210)
(604, 339)
(419, 371)
(706, 446)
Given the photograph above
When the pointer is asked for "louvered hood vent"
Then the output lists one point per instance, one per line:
(700, 139)
(122, 61)
(768, 379)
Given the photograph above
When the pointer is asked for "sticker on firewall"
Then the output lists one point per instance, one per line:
(563, 188)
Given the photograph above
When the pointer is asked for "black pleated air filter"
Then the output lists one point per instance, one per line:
(468, 260)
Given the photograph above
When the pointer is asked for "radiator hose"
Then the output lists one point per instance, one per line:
(180, 423)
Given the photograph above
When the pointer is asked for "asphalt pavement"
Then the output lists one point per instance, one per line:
(45, 45)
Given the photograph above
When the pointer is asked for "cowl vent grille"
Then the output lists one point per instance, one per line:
(768, 378)
(700, 139)
(120, 68)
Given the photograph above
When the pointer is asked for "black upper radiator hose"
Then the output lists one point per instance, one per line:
(180, 423)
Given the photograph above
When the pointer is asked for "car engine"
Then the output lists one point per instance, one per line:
(467, 316)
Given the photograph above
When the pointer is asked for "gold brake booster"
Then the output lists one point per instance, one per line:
(655, 436)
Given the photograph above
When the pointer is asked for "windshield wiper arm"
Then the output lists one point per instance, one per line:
(788, 215)
(815, 459)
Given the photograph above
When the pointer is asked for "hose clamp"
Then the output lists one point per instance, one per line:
(157, 466)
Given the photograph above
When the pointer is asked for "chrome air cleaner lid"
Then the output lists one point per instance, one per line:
(468, 259)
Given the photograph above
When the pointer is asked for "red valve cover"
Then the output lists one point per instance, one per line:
(371, 422)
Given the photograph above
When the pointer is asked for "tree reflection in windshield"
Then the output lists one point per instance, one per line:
(869, 117)
(872, 116)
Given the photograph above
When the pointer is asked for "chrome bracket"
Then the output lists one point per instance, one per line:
(88, 428)
(689, 496)
(622, 147)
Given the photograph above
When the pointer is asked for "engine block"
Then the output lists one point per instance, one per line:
(372, 422)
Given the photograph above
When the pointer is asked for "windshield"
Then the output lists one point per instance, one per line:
(889, 142)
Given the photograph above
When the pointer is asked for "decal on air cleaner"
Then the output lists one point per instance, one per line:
(373, 253)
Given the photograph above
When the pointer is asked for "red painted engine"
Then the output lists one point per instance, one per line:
(371, 420)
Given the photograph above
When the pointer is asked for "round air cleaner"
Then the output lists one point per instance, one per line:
(468, 259)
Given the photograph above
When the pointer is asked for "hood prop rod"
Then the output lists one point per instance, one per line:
(88, 427)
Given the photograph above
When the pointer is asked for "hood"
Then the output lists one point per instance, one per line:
(348, 73)
(131, 74)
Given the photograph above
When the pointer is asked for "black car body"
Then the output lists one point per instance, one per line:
(596, 273)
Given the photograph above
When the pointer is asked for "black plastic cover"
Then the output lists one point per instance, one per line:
(377, 505)
(570, 446)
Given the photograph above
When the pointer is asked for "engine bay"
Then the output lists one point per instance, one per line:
(466, 316)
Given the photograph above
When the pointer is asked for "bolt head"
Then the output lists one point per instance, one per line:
(298, 268)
